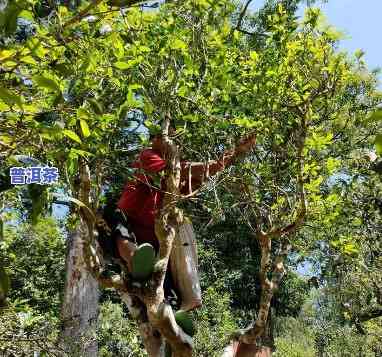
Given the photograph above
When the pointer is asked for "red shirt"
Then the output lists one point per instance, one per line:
(142, 198)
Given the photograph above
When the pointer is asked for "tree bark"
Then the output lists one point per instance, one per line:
(1, 229)
(264, 348)
(80, 304)
(152, 339)
(245, 350)
(240, 349)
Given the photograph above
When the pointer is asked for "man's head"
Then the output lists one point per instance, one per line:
(157, 139)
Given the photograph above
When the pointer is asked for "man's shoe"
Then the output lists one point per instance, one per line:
(184, 320)
(143, 262)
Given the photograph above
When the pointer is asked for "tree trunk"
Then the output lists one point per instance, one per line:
(245, 350)
(1, 229)
(152, 340)
(80, 304)
(265, 348)
(240, 349)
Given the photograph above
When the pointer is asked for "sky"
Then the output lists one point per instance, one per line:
(359, 21)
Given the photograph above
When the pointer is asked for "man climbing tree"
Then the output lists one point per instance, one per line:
(134, 221)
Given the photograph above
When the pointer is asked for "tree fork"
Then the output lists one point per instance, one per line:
(159, 313)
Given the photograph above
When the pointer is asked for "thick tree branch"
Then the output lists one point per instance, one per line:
(251, 334)
(371, 313)
(242, 14)
(258, 34)
(301, 215)
(160, 315)
(363, 316)
(180, 342)
(269, 286)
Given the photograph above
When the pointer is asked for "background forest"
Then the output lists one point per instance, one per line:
(292, 229)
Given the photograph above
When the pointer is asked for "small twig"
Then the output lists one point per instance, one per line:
(82, 14)
(87, 9)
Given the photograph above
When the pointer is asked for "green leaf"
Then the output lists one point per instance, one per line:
(332, 165)
(153, 128)
(82, 113)
(123, 110)
(126, 65)
(3, 107)
(131, 100)
(29, 60)
(47, 83)
(62, 69)
(254, 56)
(4, 54)
(350, 249)
(84, 128)
(244, 122)
(122, 65)
(182, 91)
(375, 116)
(72, 135)
(26, 15)
(359, 53)
(378, 144)
(81, 152)
(34, 44)
(10, 98)
(141, 49)
(193, 118)
(96, 106)
(119, 50)
(72, 163)
(178, 44)
(135, 86)
(85, 64)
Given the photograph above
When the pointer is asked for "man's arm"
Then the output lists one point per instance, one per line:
(193, 174)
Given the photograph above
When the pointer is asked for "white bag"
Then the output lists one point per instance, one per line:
(184, 265)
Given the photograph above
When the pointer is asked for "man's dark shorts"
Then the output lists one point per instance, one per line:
(118, 228)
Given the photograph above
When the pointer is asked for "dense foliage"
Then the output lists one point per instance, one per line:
(84, 82)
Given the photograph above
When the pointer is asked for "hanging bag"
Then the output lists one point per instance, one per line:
(184, 265)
